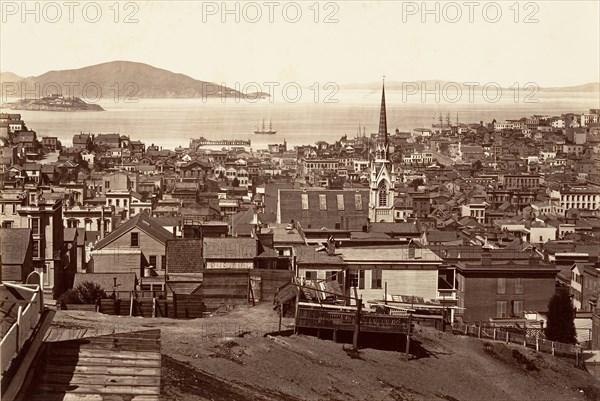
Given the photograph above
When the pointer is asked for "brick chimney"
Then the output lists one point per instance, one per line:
(486, 257)
(330, 246)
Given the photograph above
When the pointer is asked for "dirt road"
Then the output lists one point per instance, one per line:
(231, 357)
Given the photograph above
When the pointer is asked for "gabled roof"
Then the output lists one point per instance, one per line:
(184, 255)
(142, 222)
(14, 242)
(306, 254)
(125, 281)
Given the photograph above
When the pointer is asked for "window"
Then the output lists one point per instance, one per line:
(376, 279)
(501, 285)
(304, 201)
(36, 249)
(135, 239)
(310, 275)
(501, 309)
(361, 279)
(519, 285)
(353, 278)
(107, 184)
(7, 224)
(517, 308)
(340, 202)
(35, 226)
(153, 261)
(163, 262)
(358, 202)
(383, 194)
(334, 275)
(322, 202)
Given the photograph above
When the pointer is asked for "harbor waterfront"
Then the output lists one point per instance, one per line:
(173, 122)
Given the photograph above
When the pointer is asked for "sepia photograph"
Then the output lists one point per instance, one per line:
(303, 200)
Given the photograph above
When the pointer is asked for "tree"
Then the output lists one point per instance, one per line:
(85, 293)
(561, 319)
(235, 182)
(417, 182)
(476, 166)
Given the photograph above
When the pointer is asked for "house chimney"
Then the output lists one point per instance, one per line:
(534, 259)
(411, 251)
(331, 246)
(486, 257)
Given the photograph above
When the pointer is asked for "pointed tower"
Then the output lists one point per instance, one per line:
(383, 134)
(383, 176)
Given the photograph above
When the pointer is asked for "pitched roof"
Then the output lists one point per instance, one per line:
(141, 221)
(306, 254)
(395, 228)
(442, 236)
(15, 242)
(184, 255)
(125, 281)
(320, 207)
(229, 248)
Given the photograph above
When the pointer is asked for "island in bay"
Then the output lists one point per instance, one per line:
(54, 102)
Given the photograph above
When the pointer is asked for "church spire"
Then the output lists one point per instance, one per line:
(383, 135)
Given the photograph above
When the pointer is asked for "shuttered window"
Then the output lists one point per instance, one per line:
(304, 201)
(358, 202)
(322, 202)
(340, 202)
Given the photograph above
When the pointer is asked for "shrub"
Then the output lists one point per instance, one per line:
(85, 293)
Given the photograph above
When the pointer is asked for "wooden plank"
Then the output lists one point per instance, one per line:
(101, 369)
(115, 347)
(66, 379)
(61, 396)
(106, 390)
(112, 362)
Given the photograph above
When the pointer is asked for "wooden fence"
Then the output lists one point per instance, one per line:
(526, 339)
(27, 316)
(180, 306)
(239, 287)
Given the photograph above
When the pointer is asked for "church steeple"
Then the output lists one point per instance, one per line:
(383, 175)
(383, 134)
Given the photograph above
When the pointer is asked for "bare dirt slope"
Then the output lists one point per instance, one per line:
(228, 357)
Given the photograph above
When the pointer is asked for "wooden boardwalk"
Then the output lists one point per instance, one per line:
(123, 366)
(323, 318)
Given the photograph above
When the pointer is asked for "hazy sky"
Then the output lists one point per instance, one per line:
(367, 41)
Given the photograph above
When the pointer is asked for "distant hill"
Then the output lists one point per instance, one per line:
(133, 80)
(589, 87)
(430, 84)
(9, 77)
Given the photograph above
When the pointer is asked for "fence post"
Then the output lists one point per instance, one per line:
(131, 303)
(537, 343)
(153, 306)
(494, 333)
(479, 331)
(466, 329)
(19, 328)
(552, 348)
(507, 339)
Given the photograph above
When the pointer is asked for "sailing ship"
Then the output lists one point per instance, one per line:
(263, 131)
